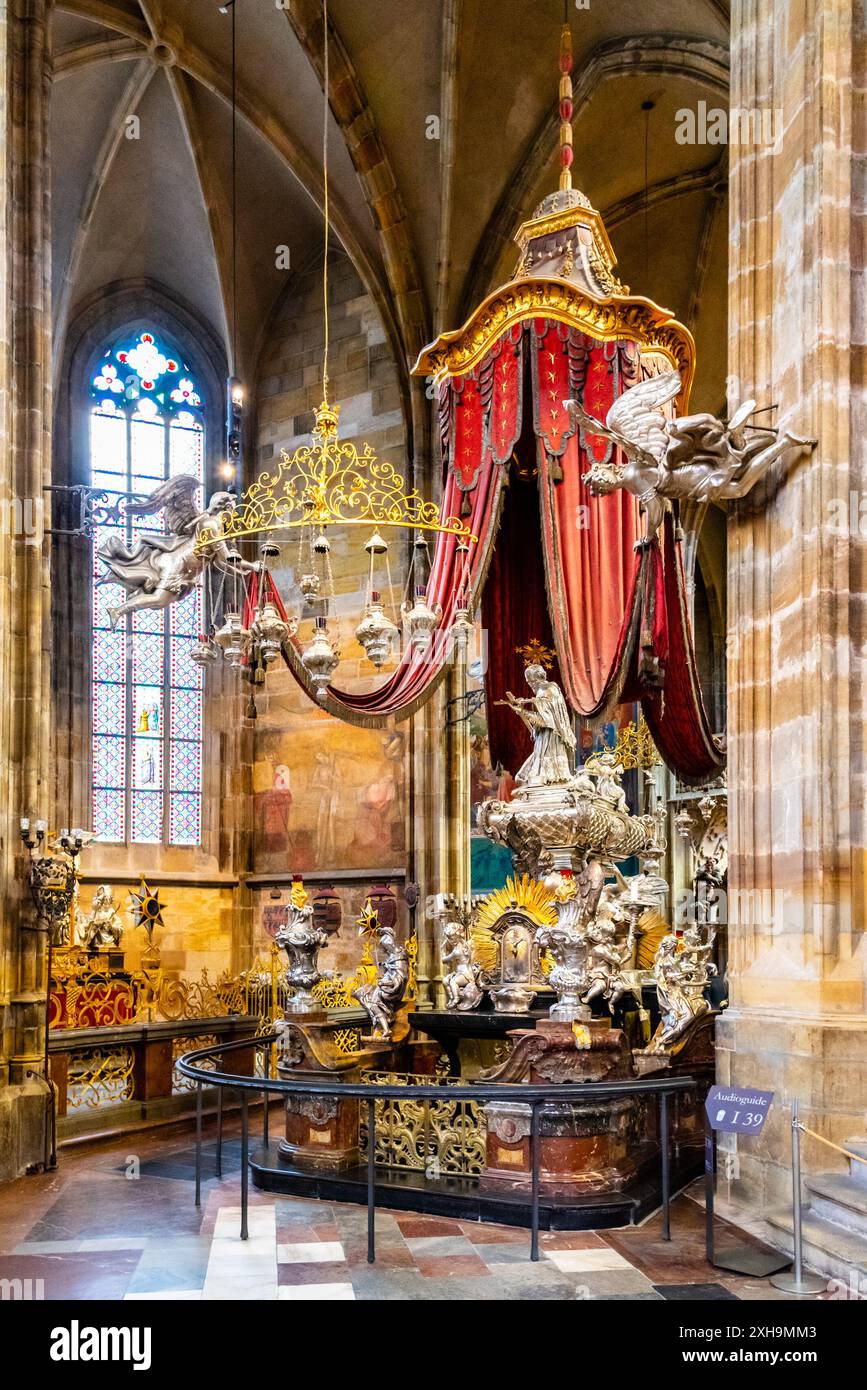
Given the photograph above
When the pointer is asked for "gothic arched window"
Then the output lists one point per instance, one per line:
(146, 425)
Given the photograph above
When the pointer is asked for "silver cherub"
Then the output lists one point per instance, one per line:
(692, 458)
(461, 983)
(156, 569)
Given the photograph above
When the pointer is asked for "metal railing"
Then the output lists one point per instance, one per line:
(535, 1096)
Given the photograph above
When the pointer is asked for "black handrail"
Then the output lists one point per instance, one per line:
(536, 1096)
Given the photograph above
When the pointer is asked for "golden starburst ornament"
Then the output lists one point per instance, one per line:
(147, 910)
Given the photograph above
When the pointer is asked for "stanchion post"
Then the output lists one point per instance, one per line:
(198, 1143)
(666, 1165)
(219, 1166)
(534, 1180)
(371, 1181)
(795, 1280)
(709, 1174)
(245, 1166)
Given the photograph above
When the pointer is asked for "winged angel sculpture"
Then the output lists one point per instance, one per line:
(159, 569)
(692, 458)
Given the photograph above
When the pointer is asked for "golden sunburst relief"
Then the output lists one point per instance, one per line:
(523, 894)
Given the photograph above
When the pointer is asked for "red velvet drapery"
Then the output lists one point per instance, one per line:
(588, 541)
(514, 613)
(618, 617)
(676, 717)
(480, 421)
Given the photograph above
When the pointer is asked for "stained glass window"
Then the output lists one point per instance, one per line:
(146, 425)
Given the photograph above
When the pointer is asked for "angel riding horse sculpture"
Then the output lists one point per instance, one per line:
(692, 458)
(157, 570)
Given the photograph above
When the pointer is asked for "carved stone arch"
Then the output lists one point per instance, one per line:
(701, 60)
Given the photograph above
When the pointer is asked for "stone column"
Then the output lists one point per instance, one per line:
(25, 427)
(797, 579)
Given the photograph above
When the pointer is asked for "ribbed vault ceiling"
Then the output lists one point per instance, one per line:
(427, 222)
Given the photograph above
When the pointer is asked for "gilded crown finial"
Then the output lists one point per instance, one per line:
(326, 421)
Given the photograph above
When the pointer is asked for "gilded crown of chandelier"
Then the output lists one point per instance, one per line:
(330, 483)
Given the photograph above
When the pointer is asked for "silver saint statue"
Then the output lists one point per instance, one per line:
(692, 458)
(101, 929)
(546, 715)
(383, 997)
(157, 570)
(681, 971)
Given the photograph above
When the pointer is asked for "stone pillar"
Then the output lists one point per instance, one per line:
(25, 427)
(428, 834)
(797, 580)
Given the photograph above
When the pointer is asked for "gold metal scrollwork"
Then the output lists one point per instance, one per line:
(436, 1136)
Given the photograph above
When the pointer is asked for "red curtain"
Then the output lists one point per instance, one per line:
(588, 542)
(514, 612)
(676, 715)
(616, 617)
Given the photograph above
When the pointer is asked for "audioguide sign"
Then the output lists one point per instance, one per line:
(737, 1109)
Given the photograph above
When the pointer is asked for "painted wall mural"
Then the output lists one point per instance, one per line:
(326, 796)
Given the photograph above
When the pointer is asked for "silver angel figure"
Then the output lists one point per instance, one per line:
(692, 458)
(461, 983)
(383, 997)
(545, 713)
(157, 570)
(605, 768)
(681, 974)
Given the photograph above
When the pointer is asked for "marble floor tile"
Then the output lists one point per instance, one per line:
(441, 1266)
(421, 1226)
(243, 1269)
(480, 1233)
(335, 1273)
(75, 1274)
(164, 1296)
(429, 1246)
(172, 1264)
(323, 1292)
(700, 1292)
(314, 1251)
(570, 1240)
(582, 1261)
(504, 1254)
(605, 1283)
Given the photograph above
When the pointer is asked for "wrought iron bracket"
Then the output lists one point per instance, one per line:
(77, 509)
(463, 707)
